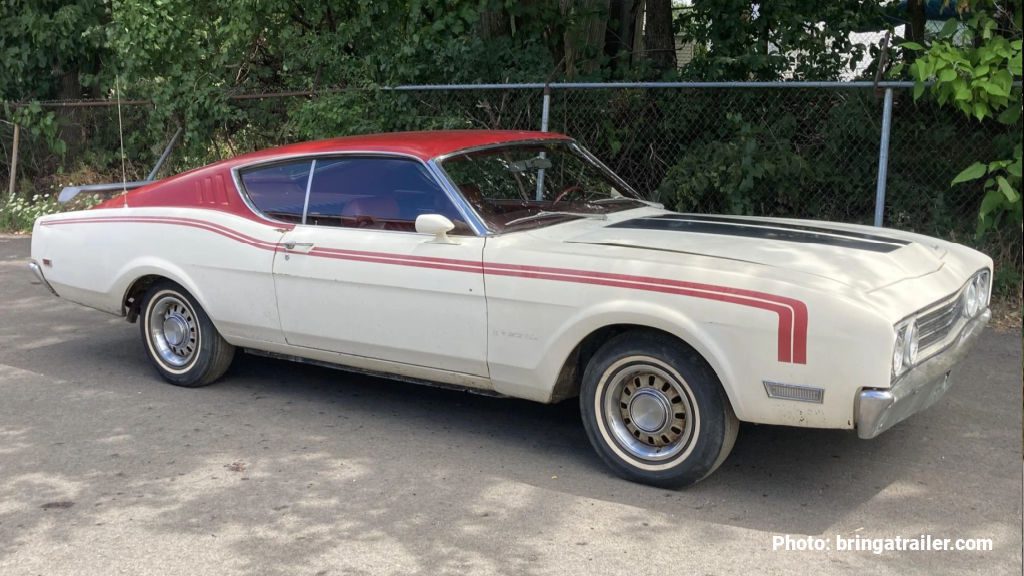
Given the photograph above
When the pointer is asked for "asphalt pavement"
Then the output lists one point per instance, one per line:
(290, 469)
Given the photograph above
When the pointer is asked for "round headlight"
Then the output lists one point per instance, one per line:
(913, 344)
(971, 300)
(981, 290)
(899, 351)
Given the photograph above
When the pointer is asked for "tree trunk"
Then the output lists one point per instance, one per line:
(659, 39)
(916, 20)
(494, 24)
(618, 39)
(584, 39)
(914, 32)
(637, 36)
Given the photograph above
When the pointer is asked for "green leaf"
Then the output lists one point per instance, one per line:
(929, 67)
(994, 89)
(949, 28)
(1015, 65)
(1014, 169)
(912, 46)
(1003, 78)
(947, 75)
(918, 90)
(1010, 115)
(993, 199)
(981, 110)
(920, 70)
(961, 90)
(1007, 190)
(972, 172)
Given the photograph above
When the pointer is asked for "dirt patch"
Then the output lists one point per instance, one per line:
(1006, 314)
(235, 466)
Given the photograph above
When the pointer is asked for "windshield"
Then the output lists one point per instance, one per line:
(536, 184)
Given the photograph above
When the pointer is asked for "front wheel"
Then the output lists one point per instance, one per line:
(180, 339)
(655, 411)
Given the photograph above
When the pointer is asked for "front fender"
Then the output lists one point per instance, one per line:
(561, 343)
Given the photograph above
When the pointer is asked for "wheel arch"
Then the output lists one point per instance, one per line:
(138, 277)
(591, 330)
(132, 300)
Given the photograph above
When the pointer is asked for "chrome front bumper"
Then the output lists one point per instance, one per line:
(38, 271)
(877, 410)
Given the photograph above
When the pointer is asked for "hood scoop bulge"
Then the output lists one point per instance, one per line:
(861, 259)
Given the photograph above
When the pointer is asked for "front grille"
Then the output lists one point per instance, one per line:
(938, 323)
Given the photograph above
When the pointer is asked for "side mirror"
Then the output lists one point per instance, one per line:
(437, 225)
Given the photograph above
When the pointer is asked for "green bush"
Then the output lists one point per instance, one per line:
(18, 213)
(753, 170)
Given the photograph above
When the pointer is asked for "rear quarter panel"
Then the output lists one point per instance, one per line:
(223, 260)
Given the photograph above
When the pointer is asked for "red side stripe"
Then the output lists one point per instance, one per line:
(209, 226)
(466, 266)
(798, 332)
(792, 313)
(785, 313)
(478, 267)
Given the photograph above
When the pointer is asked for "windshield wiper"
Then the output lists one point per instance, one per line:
(555, 214)
(614, 199)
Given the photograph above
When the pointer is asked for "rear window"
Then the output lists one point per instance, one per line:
(278, 191)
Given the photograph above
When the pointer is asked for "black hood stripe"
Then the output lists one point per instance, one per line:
(786, 226)
(762, 232)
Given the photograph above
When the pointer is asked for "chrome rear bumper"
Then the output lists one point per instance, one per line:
(879, 409)
(38, 271)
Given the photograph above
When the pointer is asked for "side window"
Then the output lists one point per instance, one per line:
(376, 194)
(278, 191)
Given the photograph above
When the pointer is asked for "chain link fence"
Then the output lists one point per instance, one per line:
(809, 150)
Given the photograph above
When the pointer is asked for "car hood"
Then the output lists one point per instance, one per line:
(861, 257)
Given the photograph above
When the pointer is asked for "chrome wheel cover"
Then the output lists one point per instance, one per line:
(174, 334)
(649, 412)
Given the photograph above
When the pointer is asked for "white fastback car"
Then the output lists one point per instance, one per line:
(516, 264)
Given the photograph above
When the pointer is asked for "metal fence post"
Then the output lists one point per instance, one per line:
(14, 160)
(883, 158)
(544, 112)
(545, 109)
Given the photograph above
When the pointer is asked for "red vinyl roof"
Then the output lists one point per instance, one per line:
(424, 145)
(211, 187)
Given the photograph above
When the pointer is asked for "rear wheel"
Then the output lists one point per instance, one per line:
(180, 339)
(655, 411)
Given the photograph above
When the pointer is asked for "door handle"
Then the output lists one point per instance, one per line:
(298, 246)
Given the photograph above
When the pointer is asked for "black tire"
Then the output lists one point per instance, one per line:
(200, 356)
(655, 411)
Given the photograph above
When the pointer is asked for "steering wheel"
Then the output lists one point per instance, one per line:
(566, 191)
